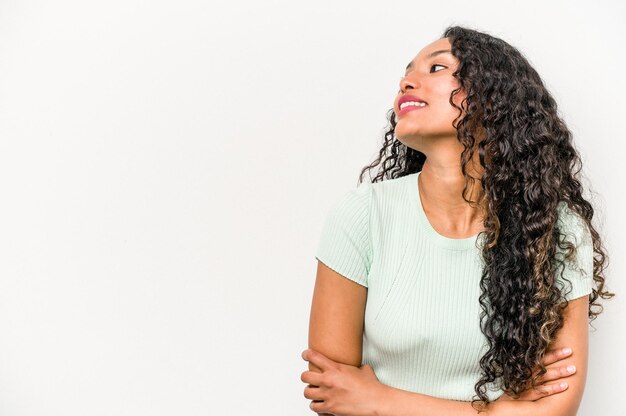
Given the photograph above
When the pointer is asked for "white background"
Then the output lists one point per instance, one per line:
(165, 169)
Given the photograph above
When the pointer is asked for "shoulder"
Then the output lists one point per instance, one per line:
(344, 245)
(365, 202)
(353, 203)
(362, 194)
(394, 185)
(574, 253)
(389, 192)
(572, 226)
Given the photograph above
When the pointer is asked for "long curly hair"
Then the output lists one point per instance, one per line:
(529, 166)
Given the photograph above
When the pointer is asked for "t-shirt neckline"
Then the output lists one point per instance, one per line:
(431, 233)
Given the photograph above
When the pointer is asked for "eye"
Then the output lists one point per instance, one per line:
(434, 65)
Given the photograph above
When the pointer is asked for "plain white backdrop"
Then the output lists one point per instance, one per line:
(165, 169)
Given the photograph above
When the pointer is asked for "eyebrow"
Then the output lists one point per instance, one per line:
(431, 55)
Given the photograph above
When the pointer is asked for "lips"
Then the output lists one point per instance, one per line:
(406, 98)
(410, 107)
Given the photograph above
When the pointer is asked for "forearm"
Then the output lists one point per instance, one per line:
(398, 402)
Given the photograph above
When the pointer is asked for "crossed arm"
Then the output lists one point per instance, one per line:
(336, 331)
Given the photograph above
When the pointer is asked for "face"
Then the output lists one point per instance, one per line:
(429, 79)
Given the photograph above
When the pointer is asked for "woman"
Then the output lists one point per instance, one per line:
(470, 262)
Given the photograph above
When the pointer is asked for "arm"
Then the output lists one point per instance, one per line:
(573, 333)
(336, 330)
(337, 315)
(342, 389)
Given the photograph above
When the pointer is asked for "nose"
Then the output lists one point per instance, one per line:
(406, 83)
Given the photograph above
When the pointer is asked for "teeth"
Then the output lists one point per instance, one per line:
(414, 103)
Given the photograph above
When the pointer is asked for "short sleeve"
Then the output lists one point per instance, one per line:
(344, 244)
(578, 270)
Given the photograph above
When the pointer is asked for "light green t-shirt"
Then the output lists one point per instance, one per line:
(422, 316)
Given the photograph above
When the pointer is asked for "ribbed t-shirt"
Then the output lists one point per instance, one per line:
(422, 316)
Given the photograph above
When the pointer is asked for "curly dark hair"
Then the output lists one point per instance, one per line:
(529, 166)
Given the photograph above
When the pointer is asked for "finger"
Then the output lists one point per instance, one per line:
(503, 397)
(318, 359)
(557, 373)
(311, 377)
(313, 393)
(558, 354)
(318, 407)
(369, 371)
(543, 391)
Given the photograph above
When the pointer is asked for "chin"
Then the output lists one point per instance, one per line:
(414, 142)
(406, 134)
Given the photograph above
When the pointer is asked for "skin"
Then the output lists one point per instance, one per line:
(430, 131)
(337, 382)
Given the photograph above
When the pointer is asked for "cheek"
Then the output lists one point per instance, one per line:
(458, 97)
(457, 100)
(444, 90)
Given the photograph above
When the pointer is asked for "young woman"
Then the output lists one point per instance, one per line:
(453, 282)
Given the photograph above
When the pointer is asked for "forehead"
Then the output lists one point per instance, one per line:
(438, 45)
(443, 43)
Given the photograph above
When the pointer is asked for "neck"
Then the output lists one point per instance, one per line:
(441, 187)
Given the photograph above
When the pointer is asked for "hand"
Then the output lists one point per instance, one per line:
(554, 373)
(340, 389)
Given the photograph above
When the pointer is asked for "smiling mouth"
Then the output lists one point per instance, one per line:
(407, 106)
